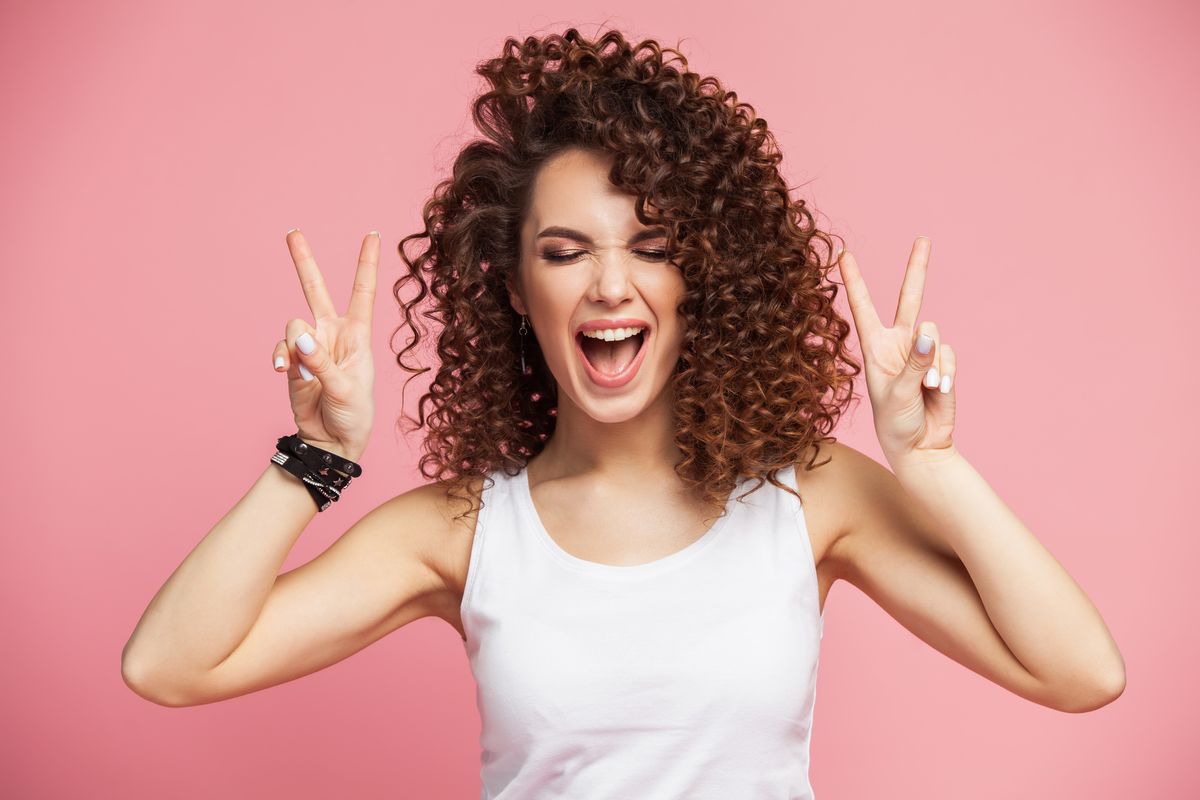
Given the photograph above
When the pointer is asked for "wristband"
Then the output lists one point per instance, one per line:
(324, 474)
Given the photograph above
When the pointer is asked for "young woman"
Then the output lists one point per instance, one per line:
(637, 511)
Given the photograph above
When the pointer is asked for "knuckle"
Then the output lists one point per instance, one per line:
(294, 334)
(312, 285)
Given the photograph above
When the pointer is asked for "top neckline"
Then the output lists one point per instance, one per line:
(620, 571)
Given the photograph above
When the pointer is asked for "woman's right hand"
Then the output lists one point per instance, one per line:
(334, 406)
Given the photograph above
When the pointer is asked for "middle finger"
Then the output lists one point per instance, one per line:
(913, 288)
(311, 280)
(362, 297)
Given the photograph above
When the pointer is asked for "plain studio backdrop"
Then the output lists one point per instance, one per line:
(155, 154)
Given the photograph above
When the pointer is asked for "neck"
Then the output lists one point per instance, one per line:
(623, 452)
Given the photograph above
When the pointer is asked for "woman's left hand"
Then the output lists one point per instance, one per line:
(913, 419)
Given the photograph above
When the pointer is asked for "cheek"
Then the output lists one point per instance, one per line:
(553, 308)
(553, 302)
(668, 315)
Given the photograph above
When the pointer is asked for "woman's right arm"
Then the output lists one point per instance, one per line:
(226, 623)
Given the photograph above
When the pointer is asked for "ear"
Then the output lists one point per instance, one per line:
(514, 298)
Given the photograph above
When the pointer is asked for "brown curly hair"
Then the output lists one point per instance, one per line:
(763, 345)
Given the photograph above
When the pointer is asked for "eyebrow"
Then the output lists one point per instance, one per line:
(578, 236)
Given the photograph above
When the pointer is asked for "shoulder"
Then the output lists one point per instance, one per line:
(445, 524)
(435, 529)
(837, 491)
(868, 509)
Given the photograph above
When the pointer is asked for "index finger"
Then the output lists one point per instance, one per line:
(866, 320)
(311, 280)
(362, 296)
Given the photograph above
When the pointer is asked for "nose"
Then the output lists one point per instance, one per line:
(612, 283)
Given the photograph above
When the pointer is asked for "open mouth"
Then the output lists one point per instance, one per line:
(612, 364)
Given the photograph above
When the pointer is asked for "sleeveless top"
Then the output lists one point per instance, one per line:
(691, 676)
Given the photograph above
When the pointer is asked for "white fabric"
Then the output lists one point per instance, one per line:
(692, 676)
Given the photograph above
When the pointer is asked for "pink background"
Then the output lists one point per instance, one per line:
(155, 154)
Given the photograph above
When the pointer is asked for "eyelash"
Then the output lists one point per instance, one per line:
(562, 257)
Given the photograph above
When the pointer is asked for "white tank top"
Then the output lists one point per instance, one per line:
(692, 676)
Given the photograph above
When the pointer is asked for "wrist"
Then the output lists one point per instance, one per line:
(918, 460)
(349, 452)
(325, 468)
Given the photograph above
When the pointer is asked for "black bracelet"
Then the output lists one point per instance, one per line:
(324, 474)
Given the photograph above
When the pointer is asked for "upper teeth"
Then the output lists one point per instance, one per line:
(613, 334)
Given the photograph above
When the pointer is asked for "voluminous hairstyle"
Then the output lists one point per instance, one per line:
(763, 373)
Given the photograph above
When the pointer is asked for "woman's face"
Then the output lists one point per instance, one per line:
(587, 262)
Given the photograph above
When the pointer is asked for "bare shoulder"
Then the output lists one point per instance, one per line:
(832, 491)
(450, 523)
(858, 500)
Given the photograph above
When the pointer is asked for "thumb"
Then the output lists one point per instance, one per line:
(314, 361)
(922, 356)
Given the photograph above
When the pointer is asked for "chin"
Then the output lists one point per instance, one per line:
(614, 406)
(614, 411)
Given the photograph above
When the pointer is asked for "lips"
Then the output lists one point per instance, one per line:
(625, 375)
(602, 324)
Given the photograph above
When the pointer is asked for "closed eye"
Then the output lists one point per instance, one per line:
(654, 255)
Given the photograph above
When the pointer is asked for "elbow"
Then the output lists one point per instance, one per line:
(1095, 694)
(140, 682)
(1114, 687)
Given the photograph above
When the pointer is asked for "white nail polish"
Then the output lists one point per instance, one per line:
(304, 373)
(931, 377)
(945, 387)
(279, 362)
(305, 343)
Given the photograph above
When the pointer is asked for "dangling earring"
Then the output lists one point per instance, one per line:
(524, 369)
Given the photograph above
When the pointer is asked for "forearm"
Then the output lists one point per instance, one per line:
(209, 603)
(1045, 618)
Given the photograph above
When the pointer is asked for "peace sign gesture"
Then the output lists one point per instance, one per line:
(909, 370)
(331, 373)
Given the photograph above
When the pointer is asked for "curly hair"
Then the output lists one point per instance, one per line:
(763, 373)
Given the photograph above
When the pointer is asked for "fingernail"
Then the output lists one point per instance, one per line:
(376, 233)
(305, 343)
(931, 377)
(304, 373)
(945, 387)
(291, 229)
(279, 362)
(924, 344)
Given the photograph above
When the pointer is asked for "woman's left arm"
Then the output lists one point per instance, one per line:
(936, 546)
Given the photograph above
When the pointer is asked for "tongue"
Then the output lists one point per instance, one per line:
(611, 358)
